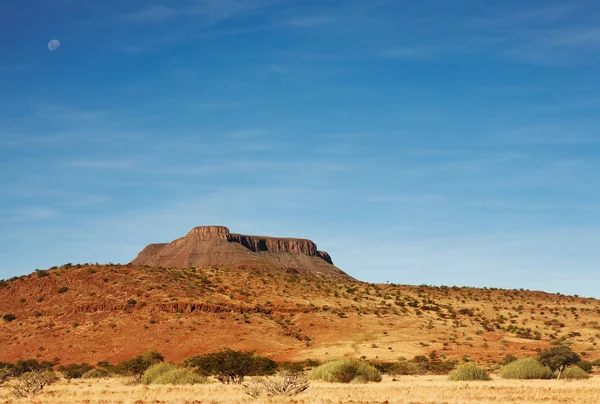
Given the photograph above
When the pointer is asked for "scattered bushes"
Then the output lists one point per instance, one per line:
(286, 383)
(528, 368)
(575, 373)
(469, 371)
(346, 371)
(231, 366)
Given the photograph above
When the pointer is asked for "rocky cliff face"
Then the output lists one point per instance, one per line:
(216, 245)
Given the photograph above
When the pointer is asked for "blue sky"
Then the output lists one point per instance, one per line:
(427, 142)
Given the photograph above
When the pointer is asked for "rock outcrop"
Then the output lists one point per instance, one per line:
(216, 245)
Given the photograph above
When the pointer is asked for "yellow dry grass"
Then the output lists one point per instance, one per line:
(422, 390)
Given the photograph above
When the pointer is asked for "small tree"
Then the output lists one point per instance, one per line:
(231, 366)
(558, 358)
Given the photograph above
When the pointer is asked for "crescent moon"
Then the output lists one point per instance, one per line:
(53, 45)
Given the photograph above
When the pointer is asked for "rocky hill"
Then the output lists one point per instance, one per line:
(216, 246)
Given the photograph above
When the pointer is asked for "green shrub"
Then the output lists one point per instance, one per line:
(596, 362)
(96, 374)
(75, 370)
(346, 371)
(62, 290)
(528, 368)
(469, 371)
(179, 376)
(586, 365)
(575, 373)
(157, 370)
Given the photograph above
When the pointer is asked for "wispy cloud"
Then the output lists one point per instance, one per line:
(308, 21)
(550, 135)
(34, 214)
(211, 11)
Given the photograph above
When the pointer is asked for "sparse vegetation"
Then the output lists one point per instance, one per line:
(346, 371)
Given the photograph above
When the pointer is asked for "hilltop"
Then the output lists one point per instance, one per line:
(281, 297)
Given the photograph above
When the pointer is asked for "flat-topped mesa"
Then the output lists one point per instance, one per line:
(259, 243)
(216, 245)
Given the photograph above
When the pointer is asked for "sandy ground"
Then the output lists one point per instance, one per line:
(422, 390)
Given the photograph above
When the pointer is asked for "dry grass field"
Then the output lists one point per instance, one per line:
(404, 390)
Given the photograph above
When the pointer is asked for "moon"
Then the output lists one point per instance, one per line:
(53, 45)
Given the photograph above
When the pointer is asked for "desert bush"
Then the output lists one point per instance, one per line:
(575, 373)
(75, 370)
(286, 383)
(157, 370)
(528, 368)
(469, 371)
(179, 376)
(32, 383)
(346, 371)
(8, 317)
(231, 366)
(596, 362)
(96, 374)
